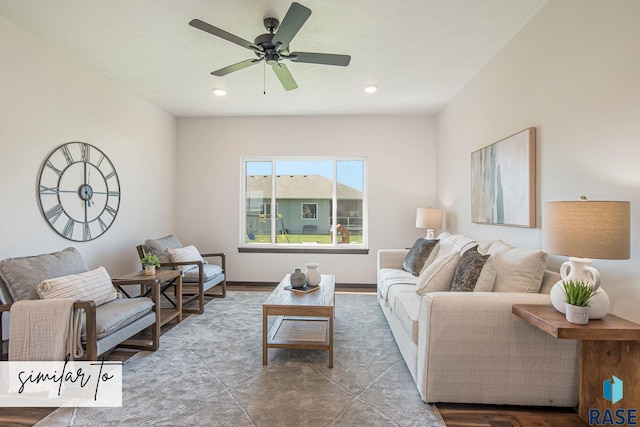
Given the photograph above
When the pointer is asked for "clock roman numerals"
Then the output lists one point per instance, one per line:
(87, 231)
(85, 150)
(78, 191)
(53, 168)
(54, 213)
(68, 229)
(67, 154)
(48, 190)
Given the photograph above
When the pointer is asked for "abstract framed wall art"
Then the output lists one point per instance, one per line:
(503, 181)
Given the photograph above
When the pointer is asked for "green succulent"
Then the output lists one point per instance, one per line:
(578, 293)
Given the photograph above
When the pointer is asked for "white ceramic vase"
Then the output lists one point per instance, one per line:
(313, 274)
(149, 270)
(580, 269)
(577, 315)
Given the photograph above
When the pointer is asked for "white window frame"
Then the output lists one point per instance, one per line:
(302, 247)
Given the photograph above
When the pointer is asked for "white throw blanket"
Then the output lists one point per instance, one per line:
(44, 330)
(388, 277)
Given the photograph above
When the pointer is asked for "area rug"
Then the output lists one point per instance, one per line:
(208, 372)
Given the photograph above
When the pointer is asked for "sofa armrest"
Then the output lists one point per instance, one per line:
(466, 335)
(391, 258)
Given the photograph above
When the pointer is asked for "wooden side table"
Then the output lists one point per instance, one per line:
(608, 346)
(161, 276)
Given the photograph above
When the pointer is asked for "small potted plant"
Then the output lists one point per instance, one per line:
(578, 294)
(150, 262)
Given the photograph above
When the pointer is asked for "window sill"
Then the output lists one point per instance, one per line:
(304, 250)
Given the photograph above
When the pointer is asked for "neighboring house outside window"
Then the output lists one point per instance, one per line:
(320, 203)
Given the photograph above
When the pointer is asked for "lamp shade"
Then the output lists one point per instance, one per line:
(429, 218)
(587, 229)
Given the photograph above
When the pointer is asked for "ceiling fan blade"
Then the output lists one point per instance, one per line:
(285, 77)
(235, 67)
(295, 18)
(201, 25)
(320, 58)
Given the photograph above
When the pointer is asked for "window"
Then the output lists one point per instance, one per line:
(320, 203)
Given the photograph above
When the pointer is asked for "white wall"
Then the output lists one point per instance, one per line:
(401, 165)
(572, 72)
(47, 99)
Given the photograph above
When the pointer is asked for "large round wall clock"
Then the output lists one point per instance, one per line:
(78, 191)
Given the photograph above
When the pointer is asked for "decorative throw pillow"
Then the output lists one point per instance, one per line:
(453, 242)
(437, 276)
(517, 269)
(160, 245)
(418, 254)
(468, 270)
(487, 278)
(94, 285)
(188, 253)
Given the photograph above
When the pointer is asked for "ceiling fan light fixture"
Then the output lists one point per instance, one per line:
(371, 89)
(219, 92)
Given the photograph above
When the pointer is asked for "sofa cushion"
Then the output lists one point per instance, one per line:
(468, 270)
(22, 275)
(209, 272)
(407, 309)
(398, 290)
(188, 253)
(438, 276)
(159, 246)
(94, 285)
(120, 312)
(388, 277)
(517, 269)
(418, 255)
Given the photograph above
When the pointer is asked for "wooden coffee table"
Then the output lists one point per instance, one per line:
(305, 320)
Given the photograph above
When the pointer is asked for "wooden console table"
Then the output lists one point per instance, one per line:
(161, 277)
(608, 346)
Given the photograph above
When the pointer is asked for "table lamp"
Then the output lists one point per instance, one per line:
(585, 229)
(430, 219)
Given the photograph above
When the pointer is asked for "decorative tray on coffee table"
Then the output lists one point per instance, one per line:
(304, 290)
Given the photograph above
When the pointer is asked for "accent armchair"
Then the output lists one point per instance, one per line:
(107, 323)
(199, 276)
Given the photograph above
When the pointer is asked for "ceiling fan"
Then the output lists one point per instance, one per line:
(273, 47)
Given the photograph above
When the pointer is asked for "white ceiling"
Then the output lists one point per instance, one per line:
(419, 53)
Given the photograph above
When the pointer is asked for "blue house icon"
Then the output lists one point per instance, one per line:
(612, 389)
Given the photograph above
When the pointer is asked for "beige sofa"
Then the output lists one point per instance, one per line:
(468, 347)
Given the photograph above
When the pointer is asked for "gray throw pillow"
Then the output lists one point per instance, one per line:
(159, 246)
(22, 275)
(468, 270)
(418, 255)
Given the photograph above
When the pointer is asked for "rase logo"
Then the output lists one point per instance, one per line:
(613, 391)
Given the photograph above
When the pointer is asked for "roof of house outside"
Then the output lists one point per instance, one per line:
(300, 187)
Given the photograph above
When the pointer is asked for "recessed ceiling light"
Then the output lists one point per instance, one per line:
(371, 89)
(219, 92)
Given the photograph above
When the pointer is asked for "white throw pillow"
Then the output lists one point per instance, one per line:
(438, 275)
(188, 253)
(94, 285)
(453, 243)
(517, 269)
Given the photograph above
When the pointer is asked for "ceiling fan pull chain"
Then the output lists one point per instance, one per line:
(264, 78)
